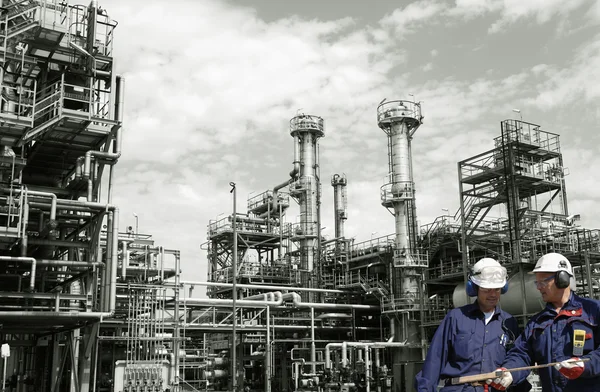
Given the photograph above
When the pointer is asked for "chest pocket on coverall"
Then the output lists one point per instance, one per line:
(586, 325)
(462, 345)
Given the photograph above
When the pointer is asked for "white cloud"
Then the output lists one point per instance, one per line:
(570, 85)
(514, 11)
(406, 20)
(210, 92)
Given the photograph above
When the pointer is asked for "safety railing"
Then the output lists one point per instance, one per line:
(18, 18)
(523, 132)
(48, 102)
(397, 191)
(447, 268)
(254, 270)
(304, 229)
(410, 259)
(243, 225)
(397, 110)
(374, 245)
(104, 35)
(18, 102)
(53, 14)
(262, 201)
(479, 165)
(404, 304)
(307, 122)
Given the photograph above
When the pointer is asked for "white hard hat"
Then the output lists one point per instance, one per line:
(487, 273)
(553, 262)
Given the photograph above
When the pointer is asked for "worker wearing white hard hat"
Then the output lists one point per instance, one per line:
(565, 332)
(474, 338)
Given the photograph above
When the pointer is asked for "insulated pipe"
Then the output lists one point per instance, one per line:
(26, 260)
(338, 182)
(277, 301)
(50, 315)
(53, 263)
(368, 368)
(24, 239)
(377, 366)
(113, 261)
(297, 301)
(79, 167)
(125, 252)
(277, 188)
(294, 173)
(263, 286)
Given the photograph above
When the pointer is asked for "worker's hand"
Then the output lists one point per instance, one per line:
(571, 368)
(502, 382)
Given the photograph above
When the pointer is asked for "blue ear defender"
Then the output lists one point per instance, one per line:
(471, 288)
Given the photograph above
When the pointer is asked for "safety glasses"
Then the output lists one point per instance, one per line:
(544, 282)
(491, 274)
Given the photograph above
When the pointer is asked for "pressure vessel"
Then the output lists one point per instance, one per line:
(512, 301)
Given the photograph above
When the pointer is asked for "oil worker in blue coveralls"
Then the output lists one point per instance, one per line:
(548, 337)
(474, 338)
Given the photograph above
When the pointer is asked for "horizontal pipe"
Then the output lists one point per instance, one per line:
(263, 286)
(277, 301)
(61, 296)
(297, 300)
(66, 244)
(60, 315)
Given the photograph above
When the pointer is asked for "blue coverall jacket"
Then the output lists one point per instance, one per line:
(548, 337)
(464, 345)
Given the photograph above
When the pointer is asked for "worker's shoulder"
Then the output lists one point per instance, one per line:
(589, 304)
(506, 316)
(463, 311)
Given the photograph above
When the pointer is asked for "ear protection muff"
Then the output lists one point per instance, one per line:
(562, 279)
(471, 288)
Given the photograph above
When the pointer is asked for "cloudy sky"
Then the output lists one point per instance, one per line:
(212, 84)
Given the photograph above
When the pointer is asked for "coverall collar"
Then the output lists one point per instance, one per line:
(573, 304)
(474, 308)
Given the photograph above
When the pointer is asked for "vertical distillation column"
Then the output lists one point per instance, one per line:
(306, 130)
(340, 203)
(400, 120)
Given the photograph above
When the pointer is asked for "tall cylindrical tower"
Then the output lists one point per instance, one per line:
(306, 130)
(340, 203)
(400, 120)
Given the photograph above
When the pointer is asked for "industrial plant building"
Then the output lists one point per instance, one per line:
(87, 305)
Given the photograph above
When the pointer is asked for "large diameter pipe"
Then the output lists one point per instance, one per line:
(262, 286)
(113, 260)
(296, 162)
(400, 163)
(297, 301)
(49, 315)
(276, 301)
